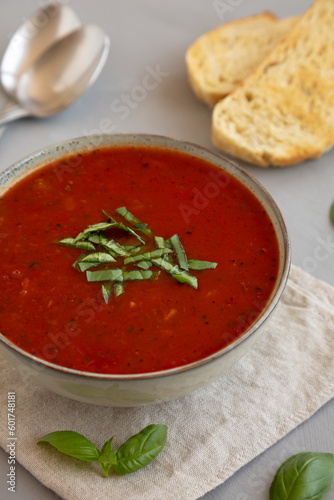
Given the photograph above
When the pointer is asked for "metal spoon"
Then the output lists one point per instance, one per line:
(60, 75)
(45, 27)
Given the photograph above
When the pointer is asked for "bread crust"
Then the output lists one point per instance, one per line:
(220, 59)
(283, 112)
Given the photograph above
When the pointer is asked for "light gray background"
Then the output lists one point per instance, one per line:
(156, 33)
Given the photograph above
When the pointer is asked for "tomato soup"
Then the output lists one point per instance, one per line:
(50, 309)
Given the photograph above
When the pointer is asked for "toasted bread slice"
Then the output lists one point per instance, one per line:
(283, 113)
(222, 58)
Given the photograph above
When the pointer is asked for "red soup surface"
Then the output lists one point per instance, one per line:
(49, 309)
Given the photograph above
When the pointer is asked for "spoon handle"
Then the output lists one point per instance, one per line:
(12, 111)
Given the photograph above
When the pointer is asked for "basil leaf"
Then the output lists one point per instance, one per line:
(83, 245)
(140, 449)
(107, 457)
(129, 217)
(110, 219)
(86, 261)
(147, 255)
(105, 275)
(144, 264)
(176, 272)
(118, 288)
(120, 225)
(106, 291)
(84, 266)
(199, 265)
(167, 266)
(179, 252)
(135, 250)
(90, 230)
(73, 444)
(99, 257)
(331, 213)
(137, 275)
(304, 476)
(100, 226)
(159, 241)
(187, 279)
(114, 248)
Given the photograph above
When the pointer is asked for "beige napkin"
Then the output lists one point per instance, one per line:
(287, 376)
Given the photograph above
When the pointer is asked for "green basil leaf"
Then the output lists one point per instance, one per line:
(110, 219)
(144, 264)
(179, 252)
(199, 265)
(331, 213)
(120, 225)
(137, 275)
(135, 250)
(114, 248)
(147, 255)
(167, 266)
(176, 272)
(105, 275)
(159, 241)
(305, 476)
(86, 261)
(106, 291)
(118, 288)
(100, 226)
(140, 449)
(186, 278)
(107, 457)
(73, 444)
(99, 257)
(129, 217)
(83, 245)
(84, 266)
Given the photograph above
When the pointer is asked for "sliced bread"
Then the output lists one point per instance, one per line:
(222, 58)
(283, 113)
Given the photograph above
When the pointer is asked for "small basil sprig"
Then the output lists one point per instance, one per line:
(134, 454)
(307, 475)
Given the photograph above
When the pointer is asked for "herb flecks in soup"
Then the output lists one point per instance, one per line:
(52, 311)
(117, 258)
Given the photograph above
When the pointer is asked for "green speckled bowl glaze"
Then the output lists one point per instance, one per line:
(157, 387)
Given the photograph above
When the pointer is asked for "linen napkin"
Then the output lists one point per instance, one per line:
(282, 381)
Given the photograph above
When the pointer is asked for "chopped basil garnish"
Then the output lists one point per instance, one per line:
(144, 264)
(179, 251)
(159, 241)
(116, 260)
(176, 272)
(83, 245)
(199, 265)
(105, 275)
(87, 261)
(147, 255)
(106, 290)
(113, 247)
(135, 223)
(118, 288)
(138, 275)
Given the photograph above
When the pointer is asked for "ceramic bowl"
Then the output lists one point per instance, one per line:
(157, 387)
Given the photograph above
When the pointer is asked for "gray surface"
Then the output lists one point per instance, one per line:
(154, 33)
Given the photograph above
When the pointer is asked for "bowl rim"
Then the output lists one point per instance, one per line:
(97, 141)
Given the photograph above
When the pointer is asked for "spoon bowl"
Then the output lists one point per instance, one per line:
(60, 75)
(45, 27)
(63, 72)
